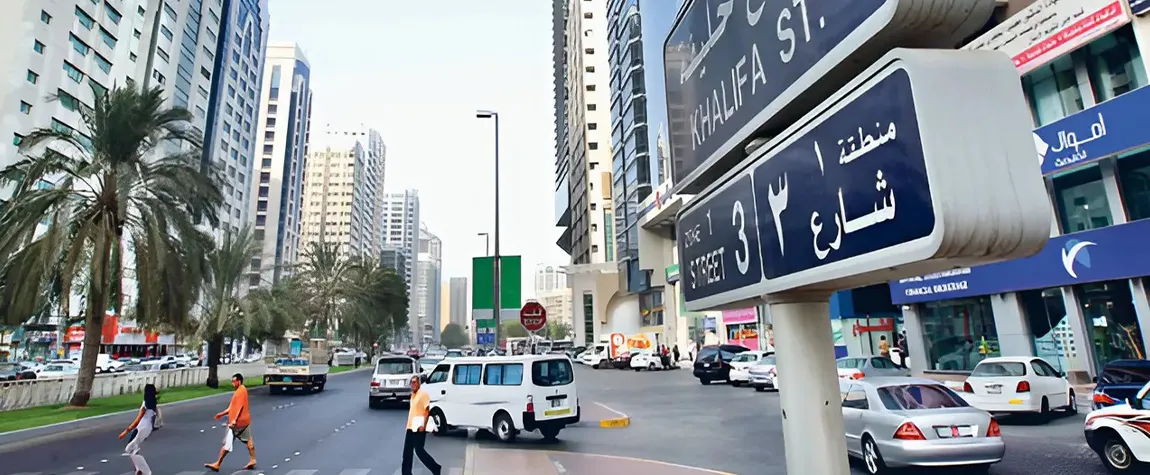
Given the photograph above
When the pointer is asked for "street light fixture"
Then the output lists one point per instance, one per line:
(486, 114)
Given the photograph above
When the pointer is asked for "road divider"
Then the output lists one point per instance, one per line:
(610, 418)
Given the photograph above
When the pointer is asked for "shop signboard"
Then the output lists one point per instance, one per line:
(1109, 253)
(872, 183)
(1047, 29)
(1109, 128)
(1139, 7)
(737, 67)
(742, 327)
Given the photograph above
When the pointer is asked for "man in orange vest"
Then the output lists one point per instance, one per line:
(239, 424)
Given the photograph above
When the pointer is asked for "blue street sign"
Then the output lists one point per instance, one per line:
(833, 193)
(736, 67)
(874, 182)
(485, 339)
(720, 242)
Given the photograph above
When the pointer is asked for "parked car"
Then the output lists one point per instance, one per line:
(391, 380)
(858, 367)
(15, 372)
(713, 363)
(1118, 433)
(764, 374)
(1120, 380)
(894, 422)
(742, 362)
(1018, 384)
(623, 359)
(646, 360)
(59, 370)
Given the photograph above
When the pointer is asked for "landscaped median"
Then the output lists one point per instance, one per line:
(54, 414)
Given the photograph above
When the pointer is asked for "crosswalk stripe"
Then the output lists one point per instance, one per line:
(302, 472)
(246, 472)
(198, 472)
(83, 473)
(355, 471)
(455, 471)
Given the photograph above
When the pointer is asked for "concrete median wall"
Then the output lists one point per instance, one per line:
(46, 392)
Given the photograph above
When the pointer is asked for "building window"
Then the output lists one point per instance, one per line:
(102, 63)
(25, 108)
(588, 319)
(587, 15)
(1053, 340)
(113, 15)
(591, 107)
(73, 72)
(38, 47)
(1053, 91)
(17, 139)
(589, 50)
(958, 333)
(67, 100)
(590, 69)
(1109, 308)
(108, 38)
(32, 77)
(78, 45)
(45, 17)
(593, 145)
(1134, 185)
(592, 126)
(1115, 65)
(1080, 200)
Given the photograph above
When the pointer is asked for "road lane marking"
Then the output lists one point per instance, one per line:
(469, 457)
(619, 457)
(355, 471)
(302, 472)
(455, 471)
(559, 467)
(201, 472)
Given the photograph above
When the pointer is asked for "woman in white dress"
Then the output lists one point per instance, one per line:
(140, 429)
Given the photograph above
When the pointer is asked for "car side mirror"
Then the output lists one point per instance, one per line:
(1094, 379)
(423, 378)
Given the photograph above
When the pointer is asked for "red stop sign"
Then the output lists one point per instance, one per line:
(533, 316)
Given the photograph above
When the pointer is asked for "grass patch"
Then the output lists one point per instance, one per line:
(340, 369)
(46, 415)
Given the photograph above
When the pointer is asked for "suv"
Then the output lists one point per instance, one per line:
(1119, 381)
(391, 380)
(714, 362)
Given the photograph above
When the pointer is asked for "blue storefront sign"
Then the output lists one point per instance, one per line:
(1109, 128)
(1139, 7)
(1110, 253)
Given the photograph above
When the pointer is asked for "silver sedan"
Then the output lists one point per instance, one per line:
(912, 422)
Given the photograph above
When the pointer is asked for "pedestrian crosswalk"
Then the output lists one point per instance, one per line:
(280, 471)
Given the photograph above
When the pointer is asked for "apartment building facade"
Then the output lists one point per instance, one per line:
(428, 287)
(277, 193)
(401, 233)
(339, 201)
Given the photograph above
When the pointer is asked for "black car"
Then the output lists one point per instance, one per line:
(714, 362)
(15, 372)
(1120, 380)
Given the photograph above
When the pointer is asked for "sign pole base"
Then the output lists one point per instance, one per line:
(813, 431)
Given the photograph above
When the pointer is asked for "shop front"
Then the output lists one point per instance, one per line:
(742, 327)
(121, 339)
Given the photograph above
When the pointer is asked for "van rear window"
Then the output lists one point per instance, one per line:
(555, 372)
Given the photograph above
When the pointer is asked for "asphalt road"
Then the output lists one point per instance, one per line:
(674, 421)
(738, 430)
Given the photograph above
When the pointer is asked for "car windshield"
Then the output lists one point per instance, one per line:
(6, 367)
(768, 360)
(54, 367)
(744, 357)
(429, 362)
(394, 367)
(999, 369)
(911, 397)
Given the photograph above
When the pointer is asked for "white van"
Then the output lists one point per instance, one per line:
(504, 394)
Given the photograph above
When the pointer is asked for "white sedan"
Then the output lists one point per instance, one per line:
(1021, 384)
(741, 364)
(646, 361)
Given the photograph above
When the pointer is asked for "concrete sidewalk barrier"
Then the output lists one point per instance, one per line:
(46, 392)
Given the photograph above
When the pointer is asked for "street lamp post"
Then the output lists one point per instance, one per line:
(485, 114)
(486, 244)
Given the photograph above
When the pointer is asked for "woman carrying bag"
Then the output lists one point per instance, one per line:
(140, 429)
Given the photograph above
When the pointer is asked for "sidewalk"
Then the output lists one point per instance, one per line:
(492, 461)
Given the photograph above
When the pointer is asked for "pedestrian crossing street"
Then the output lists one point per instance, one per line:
(418, 470)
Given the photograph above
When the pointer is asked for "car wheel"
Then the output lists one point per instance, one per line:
(372, 403)
(872, 459)
(760, 389)
(504, 427)
(736, 383)
(704, 382)
(651, 367)
(440, 421)
(1044, 410)
(1073, 407)
(1116, 455)
(595, 366)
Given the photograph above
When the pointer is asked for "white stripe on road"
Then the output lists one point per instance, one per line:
(455, 471)
(356, 471)
(83, 473)
(201, 472)
(302, 472)
(246, 472)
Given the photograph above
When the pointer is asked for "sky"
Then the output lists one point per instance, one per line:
(417, 71)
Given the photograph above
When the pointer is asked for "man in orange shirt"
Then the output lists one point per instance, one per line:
(239, 422)
(417, 414)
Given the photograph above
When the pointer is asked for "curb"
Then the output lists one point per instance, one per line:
(7, 438)
(616, 422)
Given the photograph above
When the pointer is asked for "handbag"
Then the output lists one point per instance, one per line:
(228, 436)
(431, 427)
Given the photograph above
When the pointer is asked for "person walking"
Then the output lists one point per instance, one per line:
(675, 353)
(416, 435)
(883, 346)
(239, 425)
(903, 351)
(140, 429)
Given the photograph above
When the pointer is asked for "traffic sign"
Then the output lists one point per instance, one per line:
(892, 176)
(533, 316)
(740, 67)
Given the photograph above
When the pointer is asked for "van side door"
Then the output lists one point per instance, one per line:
(437, 387)
(464, 393)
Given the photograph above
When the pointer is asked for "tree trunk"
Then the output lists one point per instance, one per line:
(215, 349)
(93, 321)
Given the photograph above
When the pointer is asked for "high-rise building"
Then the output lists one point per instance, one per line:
(75, 49)
(583, 131)
(457, 290)
(548, 278)
(285, 121)
(339, 197)
(230, 133)
(401, 232)
(371, 178)
(428, 286)
(396, 259)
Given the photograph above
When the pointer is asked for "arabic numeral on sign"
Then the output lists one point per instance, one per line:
(709, 230)
(739, 220)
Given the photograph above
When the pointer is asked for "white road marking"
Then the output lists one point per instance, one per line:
(559, 467)
(355, 471)
(302, 472)
(201, 472)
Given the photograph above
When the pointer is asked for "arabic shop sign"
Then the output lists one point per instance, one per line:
(736, 67)
(857, 191)
(1048, 29)
(1109, 128)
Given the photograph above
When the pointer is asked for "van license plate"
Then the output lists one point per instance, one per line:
(556, 402)
(557, 412)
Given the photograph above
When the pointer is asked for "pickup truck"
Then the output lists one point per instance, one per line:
(306, 372)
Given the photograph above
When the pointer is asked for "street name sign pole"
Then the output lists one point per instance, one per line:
(922, 163)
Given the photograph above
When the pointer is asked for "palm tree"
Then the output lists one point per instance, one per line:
(326, 273)
(273, 311)
(130, 192)
(222, 307)
(377, 303)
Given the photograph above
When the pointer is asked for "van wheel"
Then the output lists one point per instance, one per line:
(550, 434)
(1116, 455)
(440, 421)
(651, 367)
(704, 382)
(503, 427)
(595, 366)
